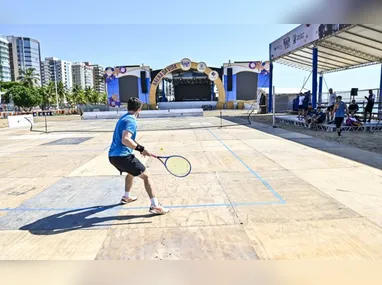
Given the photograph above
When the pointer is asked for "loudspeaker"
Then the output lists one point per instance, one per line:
(354, 92)
(143, 81)
(229, 79)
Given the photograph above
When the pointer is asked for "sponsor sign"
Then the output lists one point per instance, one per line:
(302, 35)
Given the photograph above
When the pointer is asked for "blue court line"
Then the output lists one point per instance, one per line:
(270, 188)
(124, 207)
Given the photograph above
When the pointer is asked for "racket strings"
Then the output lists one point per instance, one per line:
(178, 166)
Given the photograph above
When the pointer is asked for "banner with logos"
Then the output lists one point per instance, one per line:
(113, 76)
(112, 87)
(262, 68)
(302, 35)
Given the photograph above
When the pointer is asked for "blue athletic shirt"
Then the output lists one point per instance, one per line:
(340, 112)
(127, 122)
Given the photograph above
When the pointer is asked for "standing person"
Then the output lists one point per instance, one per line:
(339, 112)
(121, 156)
(306, 103)
(300, 106)
(331, 102)
(369, 105)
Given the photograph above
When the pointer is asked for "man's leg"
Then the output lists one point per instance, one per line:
(127, 198)
(339, 125)
(155, 208)
(371, 114)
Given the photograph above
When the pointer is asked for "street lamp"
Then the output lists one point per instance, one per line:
(55, 84)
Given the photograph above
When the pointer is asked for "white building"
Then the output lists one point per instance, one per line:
(5, 62)
(83, 75)
(89, 76)
(56, 70)
(98, 78)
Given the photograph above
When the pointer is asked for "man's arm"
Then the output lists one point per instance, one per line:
(129, 142)
(334, 109)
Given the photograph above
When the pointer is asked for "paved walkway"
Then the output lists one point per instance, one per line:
(253, 194)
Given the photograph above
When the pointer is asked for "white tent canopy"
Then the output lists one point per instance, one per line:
(352, 47)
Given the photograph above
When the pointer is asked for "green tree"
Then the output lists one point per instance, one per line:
(29, 77)
(103, 98)
(25, 97)
(88, 94)
(4, 86)
(95, 97)
(80, 97)
(61, 91)
(77, 96)
(47, 95)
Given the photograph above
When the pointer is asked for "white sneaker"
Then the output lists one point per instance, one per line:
(125, 200)
(158, 210)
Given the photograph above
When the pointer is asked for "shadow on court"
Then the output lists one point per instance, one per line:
(78, 219)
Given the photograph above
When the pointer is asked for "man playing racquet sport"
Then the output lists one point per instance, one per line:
(121, 156)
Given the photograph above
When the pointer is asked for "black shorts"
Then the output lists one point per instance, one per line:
(330, 108)
(129, 164)
(319, 121)
(339, 121)
(301, 107)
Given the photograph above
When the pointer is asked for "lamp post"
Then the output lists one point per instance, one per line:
(55, 84)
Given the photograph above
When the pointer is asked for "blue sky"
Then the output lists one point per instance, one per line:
(158, 34)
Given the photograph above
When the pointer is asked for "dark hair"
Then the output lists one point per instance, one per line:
(133, 104)
(339, 97)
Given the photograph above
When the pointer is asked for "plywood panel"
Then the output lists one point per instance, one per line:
(14, 192)
(73, 245)
(357, 189)
(195, 243)
(178, 217)
(55, 165)
(337, 239)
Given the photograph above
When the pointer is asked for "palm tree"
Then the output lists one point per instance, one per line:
(88, 94)
(52, 92)
(78, 95)
(61, 91)
(29, 77)
(47, 96)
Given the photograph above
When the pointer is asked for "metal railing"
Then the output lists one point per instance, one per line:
(346, 97)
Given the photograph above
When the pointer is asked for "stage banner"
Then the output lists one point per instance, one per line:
(262, 68)
(302, 35)
(112, 87)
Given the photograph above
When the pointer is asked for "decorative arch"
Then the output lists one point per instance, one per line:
(186, 65)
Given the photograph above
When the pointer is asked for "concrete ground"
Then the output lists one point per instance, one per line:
(253, 194)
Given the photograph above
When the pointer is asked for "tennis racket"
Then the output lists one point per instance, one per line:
(175, 164)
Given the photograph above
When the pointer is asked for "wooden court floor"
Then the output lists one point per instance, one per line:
(250, 195)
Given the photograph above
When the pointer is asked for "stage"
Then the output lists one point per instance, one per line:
(293, 120)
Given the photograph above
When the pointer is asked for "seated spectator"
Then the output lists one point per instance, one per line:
(353, 107)
(318, 118)
(353, 121)
(310, 112)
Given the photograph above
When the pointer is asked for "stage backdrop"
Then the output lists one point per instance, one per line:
(124, 82)
(246, 78)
